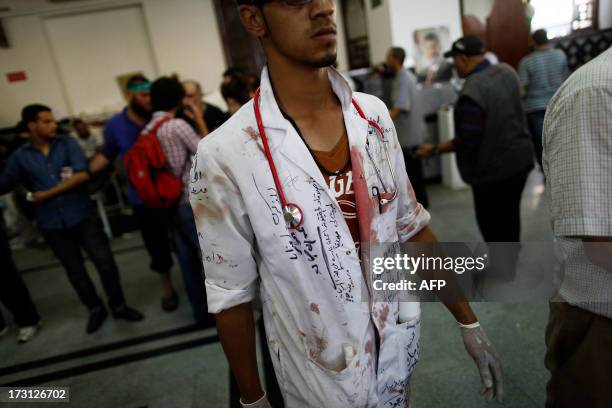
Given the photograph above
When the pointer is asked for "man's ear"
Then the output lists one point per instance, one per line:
(252, 19)
(31, 126)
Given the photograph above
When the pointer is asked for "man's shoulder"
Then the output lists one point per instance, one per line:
(370, 104)
(594, 76)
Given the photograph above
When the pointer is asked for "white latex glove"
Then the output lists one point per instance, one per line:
(260, 403)
(487, 360)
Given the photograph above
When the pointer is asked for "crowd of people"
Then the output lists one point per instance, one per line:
(48, 170)
(505, 122)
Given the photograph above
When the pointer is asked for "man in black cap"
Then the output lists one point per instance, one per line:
(494, 151)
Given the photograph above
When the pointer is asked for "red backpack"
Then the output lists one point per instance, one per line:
(149, 173)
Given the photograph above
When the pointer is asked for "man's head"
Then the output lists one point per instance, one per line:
(39, 121)
(231, 73)
(166, 94)
(301, 32)
(467, 53)
(193, 92)
(139, 95)
(236, 93)
(81, 128)
(431, 46)
(540, 38)
(395, 58)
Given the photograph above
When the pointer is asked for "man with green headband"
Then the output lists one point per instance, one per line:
(120, 134)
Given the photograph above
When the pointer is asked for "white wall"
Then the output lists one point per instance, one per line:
(29, 52)
(410, 15)
(342, 52)
(479, 8)
(379, 30)
(183, 34)
(605, 14)
(185, 39)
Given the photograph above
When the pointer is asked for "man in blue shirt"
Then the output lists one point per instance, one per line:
(53, 169)
(120, 134)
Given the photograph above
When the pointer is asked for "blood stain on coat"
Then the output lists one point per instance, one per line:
(315, 308)
(368, 347)
(254, 136)
(202, 210)
(319, 347)
(362, 196)
(382, 319)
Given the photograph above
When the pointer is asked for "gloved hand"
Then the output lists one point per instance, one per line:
(260, 403)
(487, 360)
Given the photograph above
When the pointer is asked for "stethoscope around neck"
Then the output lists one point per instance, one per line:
(292, 213)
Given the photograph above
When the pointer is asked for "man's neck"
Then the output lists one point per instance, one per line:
(40, 143)
(134, 117)
(301, 91)
(542, 47)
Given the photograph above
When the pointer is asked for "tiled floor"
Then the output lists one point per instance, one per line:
(177, 366)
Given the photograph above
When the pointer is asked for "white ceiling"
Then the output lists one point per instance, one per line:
(25, 7)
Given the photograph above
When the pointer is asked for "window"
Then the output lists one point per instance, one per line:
(562, 17)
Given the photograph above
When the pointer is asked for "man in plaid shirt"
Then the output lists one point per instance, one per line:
(578, 168)
(179, 140)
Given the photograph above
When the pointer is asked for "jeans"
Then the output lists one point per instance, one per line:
(13, 292)
(188, 253)
(535, 121)
(66, 244)
(154, 228)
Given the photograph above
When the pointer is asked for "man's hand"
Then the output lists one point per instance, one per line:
(40, 197)
(425, 151)
(487, 360)
(260, 403)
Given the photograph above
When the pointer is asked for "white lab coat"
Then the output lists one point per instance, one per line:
(313, 291)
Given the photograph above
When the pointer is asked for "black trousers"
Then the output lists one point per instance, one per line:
(414, 168)
(154, 225)
(498, 213)
(13, 292)
(535, 121)
(498, 208)
(66, 245)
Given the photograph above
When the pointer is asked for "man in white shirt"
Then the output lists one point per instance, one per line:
(266, 214)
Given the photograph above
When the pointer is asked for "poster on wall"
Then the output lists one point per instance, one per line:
(123, 79)
(430, 45)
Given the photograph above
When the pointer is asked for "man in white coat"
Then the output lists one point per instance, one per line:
(283, 195)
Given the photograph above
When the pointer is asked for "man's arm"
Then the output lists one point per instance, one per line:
(402, 103)
(599, 251)
(469, 129)
(236, 328)
(11, 176)
(107, 153)
(98, 163)
(230, 284)
(74, 181)
(461, 310)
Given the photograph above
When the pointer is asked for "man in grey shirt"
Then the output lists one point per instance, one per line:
(578, 167)
(408, 119)
(542, 72)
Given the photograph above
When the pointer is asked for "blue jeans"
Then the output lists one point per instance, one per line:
(535, 121)
(188, 253)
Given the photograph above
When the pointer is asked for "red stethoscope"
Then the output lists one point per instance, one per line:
(292, 213)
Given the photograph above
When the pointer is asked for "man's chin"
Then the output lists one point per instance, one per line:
(325, 61)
